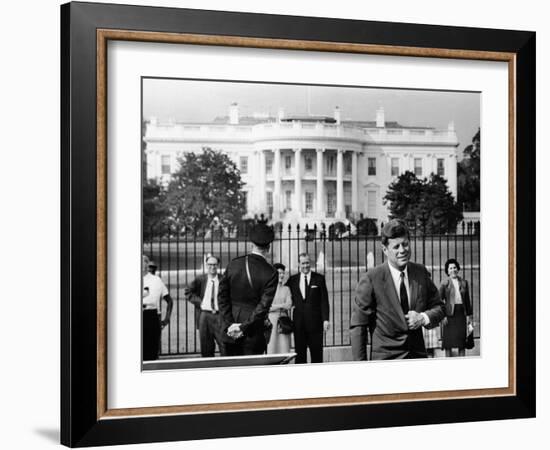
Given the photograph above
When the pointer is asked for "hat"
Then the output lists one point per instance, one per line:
(261, 235)
(152, 264)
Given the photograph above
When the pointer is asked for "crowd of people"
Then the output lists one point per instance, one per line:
(254, 309)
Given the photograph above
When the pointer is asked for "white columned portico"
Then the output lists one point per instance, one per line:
(298, 181)
(277, 183)
(354, 182)
(320, 184)
(340, 212)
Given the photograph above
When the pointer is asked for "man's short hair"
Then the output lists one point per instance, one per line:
(395, 228)
(212, 256)
(303, 255)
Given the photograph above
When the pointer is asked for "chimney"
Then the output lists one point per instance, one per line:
(451, 126)
(234, 114)
(281, 113)
(337, 115)
(380, 120)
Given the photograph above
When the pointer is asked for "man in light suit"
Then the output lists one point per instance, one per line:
(203, 293)
(393, 301)
(311, 311)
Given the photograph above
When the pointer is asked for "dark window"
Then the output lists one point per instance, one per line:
(395, 167)
(309, 202)
(347, 163)
(244, 164)
(372, 166)
(165, 163)
(288, 162)
(418, 167)
(440, 167)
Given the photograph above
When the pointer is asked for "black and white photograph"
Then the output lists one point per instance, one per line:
(298, 223)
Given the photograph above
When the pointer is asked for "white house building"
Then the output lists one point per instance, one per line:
(309, 169)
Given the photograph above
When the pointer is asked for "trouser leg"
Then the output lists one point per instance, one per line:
(315, 344)
(300, 345)
(208, 346)
(150, 335)
(217, 333)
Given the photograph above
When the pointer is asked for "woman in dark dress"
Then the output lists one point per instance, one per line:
(455, 292)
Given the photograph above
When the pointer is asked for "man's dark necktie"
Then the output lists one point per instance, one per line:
(403, 295)
(213, 297)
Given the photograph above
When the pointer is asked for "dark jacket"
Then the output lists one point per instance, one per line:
(377, 307)
(446, 291)
(309, 312)
(196, 294)
(241, 303)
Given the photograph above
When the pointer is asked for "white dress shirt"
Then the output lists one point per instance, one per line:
(458, 296)
(211, 283)
(305, 279)
(156, 291)
(396, 277)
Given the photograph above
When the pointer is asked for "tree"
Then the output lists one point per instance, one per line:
(425, 204)
(469, 175)
(155, 210)
(206, 191)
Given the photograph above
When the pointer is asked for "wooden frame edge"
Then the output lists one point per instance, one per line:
(101, 188)
(103, 36)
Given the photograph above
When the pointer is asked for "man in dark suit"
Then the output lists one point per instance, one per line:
(203, 293)
(394, 301)
(246, 292)
(311, 311)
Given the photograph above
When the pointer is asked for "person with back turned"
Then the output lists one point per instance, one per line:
(246, 293)
(393, 301)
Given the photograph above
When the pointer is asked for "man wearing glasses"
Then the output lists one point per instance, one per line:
(203, 293)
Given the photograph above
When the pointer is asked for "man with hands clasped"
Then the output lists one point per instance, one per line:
(393, 301)
(246, 293)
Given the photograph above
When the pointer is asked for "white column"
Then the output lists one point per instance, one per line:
(450, 173)
(298, 181)
(261, 187)
(277, 184)
(340, 212)
(158, 164)
(320, 184)
(354, 182)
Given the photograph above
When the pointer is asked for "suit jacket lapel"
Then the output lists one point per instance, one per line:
(391, 294)
(203, 285)
(297, 285)
(413, 287)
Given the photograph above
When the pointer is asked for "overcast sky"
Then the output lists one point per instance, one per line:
(202, 101)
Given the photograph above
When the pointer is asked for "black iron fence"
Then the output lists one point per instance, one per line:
(341, 257)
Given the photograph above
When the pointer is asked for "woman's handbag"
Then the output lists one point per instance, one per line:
(268, 327)
(469, 344)
(284, 324)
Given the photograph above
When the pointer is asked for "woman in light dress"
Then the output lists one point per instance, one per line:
(282, 302)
